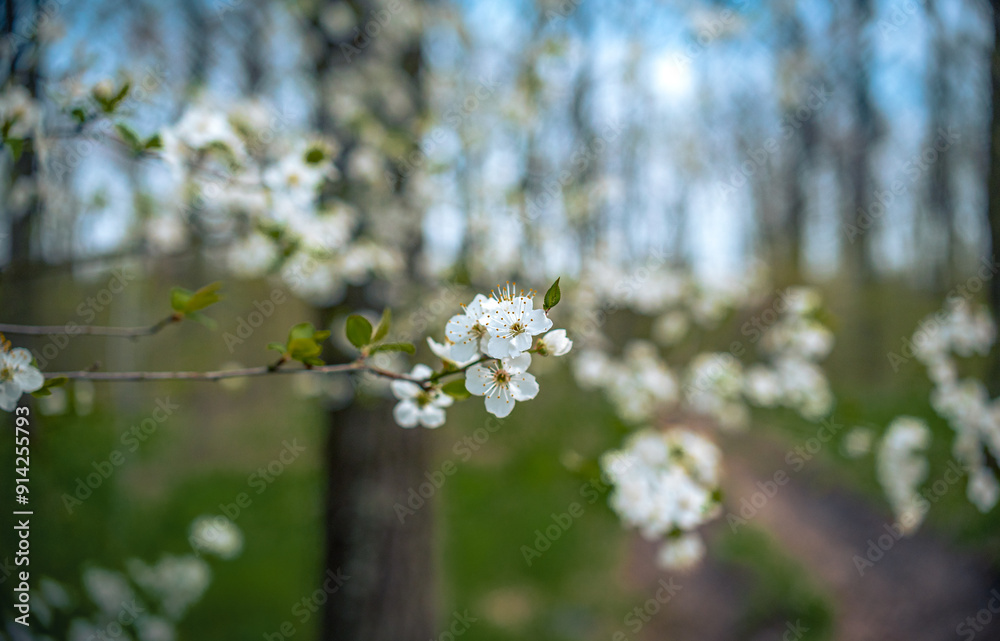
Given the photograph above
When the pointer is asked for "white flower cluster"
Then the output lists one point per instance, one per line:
(17, 376)
(266, 197)
(492, 341)
(958, 330)
(666, 485)
(902, 467)
(794, 345)
(642, 384)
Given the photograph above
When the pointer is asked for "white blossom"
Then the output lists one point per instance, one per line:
(418, 406)
(554, 343)
(502, 383)
(512, 324)
(467, 331)
(17, 376)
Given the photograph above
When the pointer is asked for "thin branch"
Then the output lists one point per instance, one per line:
(89, 330)
(246, 372)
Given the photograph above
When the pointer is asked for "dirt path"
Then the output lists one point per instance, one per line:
(920, 589)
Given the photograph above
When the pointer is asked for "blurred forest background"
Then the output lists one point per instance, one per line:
(849, 145)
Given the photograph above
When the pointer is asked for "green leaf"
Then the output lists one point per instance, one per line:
(304, 343)
(382, 329)
(16, 147)
(79, 114)
(552, 296)
(129, 136)
(358, 330)
(207, 295)
(179, 298)
(278, 347)
(302, 349)
(456, 389)
(153, 142)
(46, 388)
(186, 302)
(409, 348)
(198, 317)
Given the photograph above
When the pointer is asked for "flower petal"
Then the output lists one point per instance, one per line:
(459, 328)
(499, 402)
(521, 342)
(29, 379)
(478, 379)
(523, 387)
(421, 371)
(538, 322)
(404, 389)
(432, 416)
(498, 347)
(406, 413)
(519, 364)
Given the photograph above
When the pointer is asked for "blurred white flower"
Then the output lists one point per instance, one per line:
(108, 590)
(858, 442)
(418, 406)
(176, 581)
(681, 553)
(216, 535)
(902, 467)
(664, 482)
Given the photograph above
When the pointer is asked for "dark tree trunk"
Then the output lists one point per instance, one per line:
(372, 463)
(993, 198)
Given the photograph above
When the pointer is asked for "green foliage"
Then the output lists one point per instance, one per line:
(382, 329)
(188, 304)
(185, 301)
(553, 296)
(304, 344)
(359, 331)
(456, 389)
(109, 101)
(409, 348)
